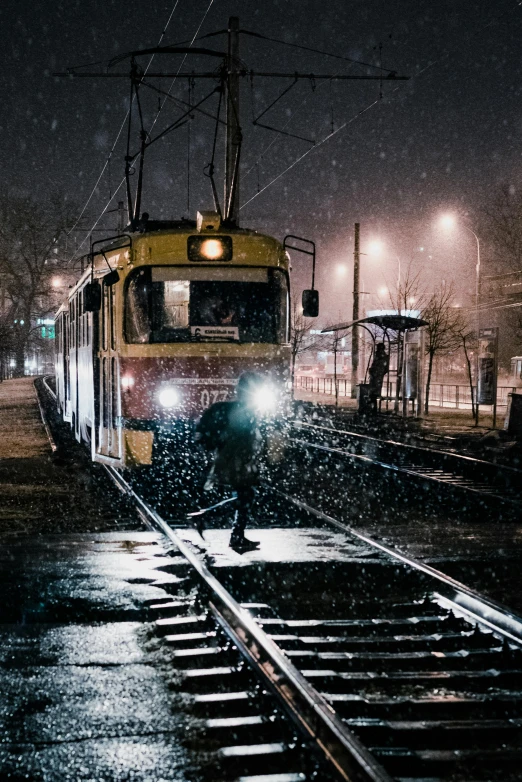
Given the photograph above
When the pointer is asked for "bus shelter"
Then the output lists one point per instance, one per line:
(403, 337)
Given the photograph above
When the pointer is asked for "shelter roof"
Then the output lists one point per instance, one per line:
(395, 322)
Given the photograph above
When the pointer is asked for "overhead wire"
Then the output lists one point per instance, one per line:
(122, 126)
(317, 145)
(194, 38)
(330, 135)
(105, 208)
(423, 70)
(317, 51)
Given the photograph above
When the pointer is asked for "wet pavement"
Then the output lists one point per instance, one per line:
(43, 494)
(278, 545)
(83, 694)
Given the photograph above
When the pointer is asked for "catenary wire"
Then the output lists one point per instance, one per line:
(423, 70)
(163, 33)
(123, 125)
(319, 144)
(182, 62)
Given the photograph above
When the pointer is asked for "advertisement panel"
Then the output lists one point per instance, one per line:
(487, 366)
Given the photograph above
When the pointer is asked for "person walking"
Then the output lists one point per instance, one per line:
(230, 429)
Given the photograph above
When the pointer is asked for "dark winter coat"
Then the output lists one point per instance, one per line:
(378, 369)
(230, 430)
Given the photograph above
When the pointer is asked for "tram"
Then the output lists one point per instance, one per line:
(162, 324)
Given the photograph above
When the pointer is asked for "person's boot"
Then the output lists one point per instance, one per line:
(238, 542)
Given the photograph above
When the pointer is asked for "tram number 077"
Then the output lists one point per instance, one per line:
(211, 395)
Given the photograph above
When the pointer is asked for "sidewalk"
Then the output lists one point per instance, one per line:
(22, 434)
(39, 494)
(84, 693)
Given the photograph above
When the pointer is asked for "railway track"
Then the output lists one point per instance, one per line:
(439, 469)
(367, 666)
(425, 674)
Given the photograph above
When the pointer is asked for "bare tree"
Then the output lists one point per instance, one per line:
(31, 254)
(334, 342)
(467, 339)
(503, 228)
(442, 331)
(503, 231)
(408, 294)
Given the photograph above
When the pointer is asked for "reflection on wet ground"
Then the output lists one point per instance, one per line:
(82, 696)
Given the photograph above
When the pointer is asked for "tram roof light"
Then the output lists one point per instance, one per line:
(209, 248)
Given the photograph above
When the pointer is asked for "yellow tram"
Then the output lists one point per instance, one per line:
(162, 324)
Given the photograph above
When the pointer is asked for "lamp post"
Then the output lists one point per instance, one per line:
(448, 221)
(355, 310)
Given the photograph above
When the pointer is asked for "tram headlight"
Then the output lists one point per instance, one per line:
(169, 396)
(265, 399)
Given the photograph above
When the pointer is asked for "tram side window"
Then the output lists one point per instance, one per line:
(71, 322)
(104, 316)
(112, 310)
(138, 307)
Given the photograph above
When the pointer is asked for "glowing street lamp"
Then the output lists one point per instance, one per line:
(449, 221)
(377, 248)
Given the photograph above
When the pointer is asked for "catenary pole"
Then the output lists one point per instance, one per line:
(355, 311)
(233, 134)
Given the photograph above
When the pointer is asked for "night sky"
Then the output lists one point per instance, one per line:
(445, 140)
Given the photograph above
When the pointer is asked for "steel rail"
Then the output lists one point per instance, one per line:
(479, 608)
(417, 471)
(308, 709)
(411, 472)
(457, 457)
(48, 432)
(48, 387)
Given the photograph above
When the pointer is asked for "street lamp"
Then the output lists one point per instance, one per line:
(376, 248)
(449, 221)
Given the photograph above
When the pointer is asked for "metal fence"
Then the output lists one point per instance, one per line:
(441, 394)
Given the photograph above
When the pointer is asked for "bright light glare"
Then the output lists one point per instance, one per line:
(212, 249)
(56, 282)
(264, 399)
(376, 247)
(448, 221)
(383, 291)
(127, 381)
(341, 270)
(168, 397)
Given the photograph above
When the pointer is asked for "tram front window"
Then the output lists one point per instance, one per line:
(180, 304)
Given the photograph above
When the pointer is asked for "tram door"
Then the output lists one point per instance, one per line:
(66, 361)
(109, 441)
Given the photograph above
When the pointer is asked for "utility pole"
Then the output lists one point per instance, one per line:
(355, 311)
(233, 136)
(231, 72)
